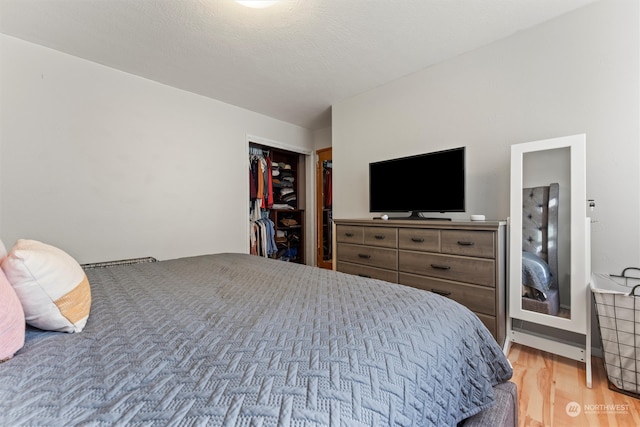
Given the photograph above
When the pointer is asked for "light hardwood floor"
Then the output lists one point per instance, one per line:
(548, 383)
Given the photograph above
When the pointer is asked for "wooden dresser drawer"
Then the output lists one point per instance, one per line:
(489, 322)
(419, 240)
(468, 243)
(366, 271)
(481, 299)
(350, 234)
(381, 236)
(367, 255)
(470, 270)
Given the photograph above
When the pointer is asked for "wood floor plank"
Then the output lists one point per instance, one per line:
(552, 392)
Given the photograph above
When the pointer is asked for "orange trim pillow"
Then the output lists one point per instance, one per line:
(52, 287)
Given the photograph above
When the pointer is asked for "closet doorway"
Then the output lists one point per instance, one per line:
(277, 203)
(324, 217)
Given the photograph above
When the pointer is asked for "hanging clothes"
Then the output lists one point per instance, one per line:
(260, 179)
(253, 241)
(260, 189)
(328, 187)
(262, 238)
(261, 228)
(253, 180)
(269, 184)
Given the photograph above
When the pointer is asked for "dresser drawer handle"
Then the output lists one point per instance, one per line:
(440, 267)
(364, 275)
(417, 239)
(441, 292)
(348, 234)
(364, 256)
(379, 236)
(465, 243)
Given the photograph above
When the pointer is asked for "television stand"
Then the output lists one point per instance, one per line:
(415, 215)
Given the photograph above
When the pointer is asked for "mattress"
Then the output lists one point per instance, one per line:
(239, 340)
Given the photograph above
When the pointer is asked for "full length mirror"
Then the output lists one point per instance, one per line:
(549, 229)
(548, 243)
(546, 232)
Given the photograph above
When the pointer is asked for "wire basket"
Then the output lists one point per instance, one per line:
(617, 300)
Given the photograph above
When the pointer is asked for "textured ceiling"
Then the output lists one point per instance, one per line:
(290, 61)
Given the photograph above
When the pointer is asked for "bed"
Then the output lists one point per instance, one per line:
(240, 340)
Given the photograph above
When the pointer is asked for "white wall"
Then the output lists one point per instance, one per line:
(576, 74)
(107, 165)
(322, 138)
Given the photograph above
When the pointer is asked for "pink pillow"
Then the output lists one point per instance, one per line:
(12, 323)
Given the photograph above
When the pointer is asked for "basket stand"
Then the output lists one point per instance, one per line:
(617, 303)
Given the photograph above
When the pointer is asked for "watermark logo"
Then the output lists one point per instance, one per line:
(573, 409)
(608, 408)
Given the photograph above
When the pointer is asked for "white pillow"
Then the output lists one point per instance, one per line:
(51, 285)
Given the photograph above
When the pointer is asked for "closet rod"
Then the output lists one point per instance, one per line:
(256, 151)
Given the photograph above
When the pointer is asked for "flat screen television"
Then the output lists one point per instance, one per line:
(430, 182)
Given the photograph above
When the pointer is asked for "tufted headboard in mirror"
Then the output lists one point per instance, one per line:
(540, 224)
(540, 237)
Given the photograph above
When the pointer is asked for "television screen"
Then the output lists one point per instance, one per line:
(430, 182)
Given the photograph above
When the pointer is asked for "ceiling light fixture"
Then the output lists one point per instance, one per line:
(257, 4)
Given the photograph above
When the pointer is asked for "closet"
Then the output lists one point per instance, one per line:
(276, 192)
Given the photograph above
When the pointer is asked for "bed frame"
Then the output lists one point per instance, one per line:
(504, 413)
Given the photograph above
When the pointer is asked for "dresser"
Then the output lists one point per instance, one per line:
(464, 261)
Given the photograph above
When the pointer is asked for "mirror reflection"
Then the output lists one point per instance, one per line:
(546, 232)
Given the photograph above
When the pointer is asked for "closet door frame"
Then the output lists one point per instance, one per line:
(322, 155)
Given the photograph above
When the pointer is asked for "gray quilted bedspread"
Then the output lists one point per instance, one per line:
(238, 340)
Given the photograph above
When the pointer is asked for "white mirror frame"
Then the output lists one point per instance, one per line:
(580, 319)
